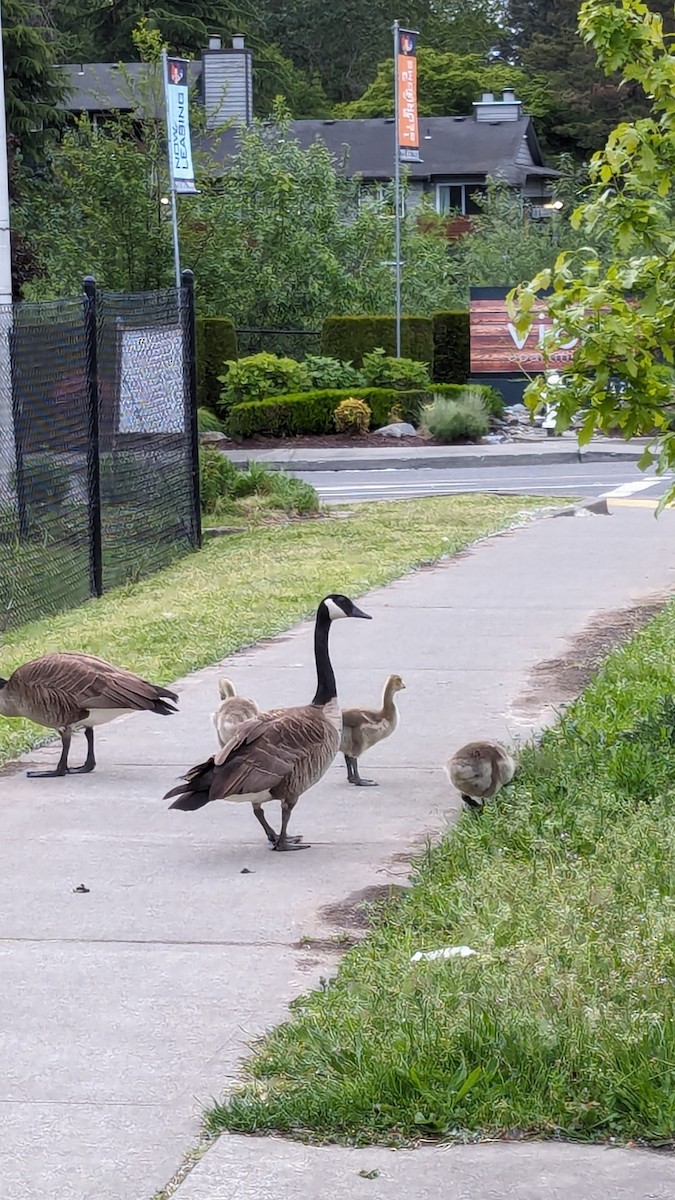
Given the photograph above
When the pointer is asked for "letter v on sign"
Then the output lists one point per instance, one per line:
(519, 341)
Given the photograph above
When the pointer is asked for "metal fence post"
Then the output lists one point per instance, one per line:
(93, 459)
(190, 366)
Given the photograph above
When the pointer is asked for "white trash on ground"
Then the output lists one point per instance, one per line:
(446, 952)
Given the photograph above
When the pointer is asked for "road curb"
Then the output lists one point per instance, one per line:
(454, 462)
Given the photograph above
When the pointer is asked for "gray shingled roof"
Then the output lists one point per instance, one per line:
(459, 147)
(108, 87)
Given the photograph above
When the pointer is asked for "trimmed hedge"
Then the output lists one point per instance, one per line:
(349, 338)
(492, 399)
(216, 343)
(312, 412)
(452, 347)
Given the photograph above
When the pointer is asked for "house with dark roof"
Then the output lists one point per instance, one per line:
(458, 154)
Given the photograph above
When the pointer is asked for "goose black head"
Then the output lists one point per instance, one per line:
(341, 606)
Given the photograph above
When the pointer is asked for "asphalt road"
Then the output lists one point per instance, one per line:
(573, 479)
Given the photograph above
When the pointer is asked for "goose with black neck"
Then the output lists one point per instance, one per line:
(281, 753)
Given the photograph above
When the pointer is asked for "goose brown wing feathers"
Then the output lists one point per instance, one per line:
(284, 748)
(283, 751)
(67, 685)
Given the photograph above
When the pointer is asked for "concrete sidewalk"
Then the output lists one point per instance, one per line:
(563, 449)
(125, 1010)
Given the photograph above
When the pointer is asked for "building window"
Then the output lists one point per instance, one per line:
(381, 192)
(458, 197)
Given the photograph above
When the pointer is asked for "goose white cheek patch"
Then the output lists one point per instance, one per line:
(334, 610)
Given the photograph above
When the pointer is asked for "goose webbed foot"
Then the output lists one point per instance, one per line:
(90, 761)
(475, 806)
(353, 773)
(62, 768)
(283, 841)
(291, 843)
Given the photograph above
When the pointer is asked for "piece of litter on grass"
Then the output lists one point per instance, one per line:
(446, 952)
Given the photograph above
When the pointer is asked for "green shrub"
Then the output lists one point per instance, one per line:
(452, 347)
(312, 412)
(325, 372)
(260, 376)
(352, 416)
(281, 490)
(46, 482)
(216, 345)
(350, 338)
(218, 478)
(492, 399)
(208, 422)
(222, 484)
(293, 495)
(449, 420)
(380, 370)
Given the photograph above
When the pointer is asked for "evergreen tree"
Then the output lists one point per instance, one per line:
(543, 37)
(33, 87)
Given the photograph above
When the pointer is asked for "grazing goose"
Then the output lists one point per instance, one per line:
(70, 691)
(279, 754)
(365, 727)
(232, 711)
(479, 770)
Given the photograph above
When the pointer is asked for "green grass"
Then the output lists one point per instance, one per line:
(241, 588)
(563, 1023)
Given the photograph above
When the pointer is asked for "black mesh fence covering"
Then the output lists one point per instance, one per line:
(98, 447)
(287, 343)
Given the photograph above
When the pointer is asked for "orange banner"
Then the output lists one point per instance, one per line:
(408, 125)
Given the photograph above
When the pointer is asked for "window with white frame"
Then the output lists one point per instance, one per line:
(458, 197)
(382, 192)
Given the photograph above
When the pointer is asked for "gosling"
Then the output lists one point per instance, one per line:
(363, 728)
(479, 770)
(232, 711)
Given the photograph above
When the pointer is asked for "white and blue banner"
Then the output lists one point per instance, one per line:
(176, 89)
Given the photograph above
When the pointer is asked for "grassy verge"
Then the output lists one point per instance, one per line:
(563, 1022)
(245, 587)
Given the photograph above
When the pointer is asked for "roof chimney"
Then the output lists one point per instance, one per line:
(227, 82)
(506, 109)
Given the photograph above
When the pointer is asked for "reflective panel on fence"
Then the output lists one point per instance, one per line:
(96, 447)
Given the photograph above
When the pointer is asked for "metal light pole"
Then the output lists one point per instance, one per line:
(172, 180)
(5, 248)
(397, 197)
(7, 446)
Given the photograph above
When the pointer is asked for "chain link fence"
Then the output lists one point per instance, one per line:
(99, 474)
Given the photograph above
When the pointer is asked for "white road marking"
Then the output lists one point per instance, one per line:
(630, 488)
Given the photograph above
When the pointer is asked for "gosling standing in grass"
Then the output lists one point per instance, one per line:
(363, 728)
(479, 770)
(232, 711)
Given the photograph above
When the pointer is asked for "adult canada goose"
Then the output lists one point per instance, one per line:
(69, 691)
(479, 770)
(232, 711)
(279, 754)
(365, 727)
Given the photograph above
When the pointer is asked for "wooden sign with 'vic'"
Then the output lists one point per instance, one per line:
(496, 346)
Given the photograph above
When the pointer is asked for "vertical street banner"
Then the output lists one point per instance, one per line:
(406, 94)
(178, 125)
